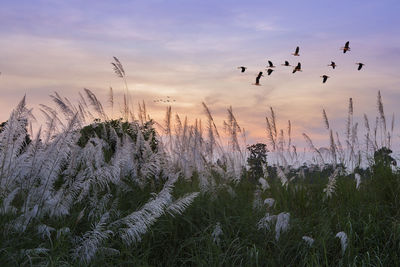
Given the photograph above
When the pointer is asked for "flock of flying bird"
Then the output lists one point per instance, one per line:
(298, 66)
(167, 100)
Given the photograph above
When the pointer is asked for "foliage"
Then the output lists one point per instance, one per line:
(383, 159)
(257, 160)
(105, 131)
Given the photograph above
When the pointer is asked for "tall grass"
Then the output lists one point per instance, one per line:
(88, 189)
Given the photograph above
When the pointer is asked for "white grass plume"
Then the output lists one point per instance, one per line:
(133, 226)
(343, 241)
(282, 224)
(266, 222)
(270, 133)
(95, 103)
(6, 206)
(91, 241)
(357, 177)
(331, 185)
(216, 234)
(181, 204)
(282, 177)
(264, 184)
(269, 202)
(309, 240)
(45, 230)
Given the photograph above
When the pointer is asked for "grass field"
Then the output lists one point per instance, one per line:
(88, 189)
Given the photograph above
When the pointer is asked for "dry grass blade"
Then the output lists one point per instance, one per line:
(232, 128)
(270, 134)
(167, 121)
(95, 103)
(381, 111)
(111, 100)
(349, 122)
(366, 123)
(325, 119)
(142, 113)
(68, 112)
(118, 68)
(339, 149)
(289, 135)
(332, 147)
(376, 132)
(313, 148)
(211, 119)
(273, 120)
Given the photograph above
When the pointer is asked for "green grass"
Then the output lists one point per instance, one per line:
(369, 216)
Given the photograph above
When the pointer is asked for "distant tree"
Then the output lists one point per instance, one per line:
(383, 159)
(256, 160)
(103, 130)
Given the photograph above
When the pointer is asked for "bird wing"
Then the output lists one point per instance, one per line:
(347, 44)
(270, 63)
(297, 50)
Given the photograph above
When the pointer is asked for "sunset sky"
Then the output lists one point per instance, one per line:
(190, 51)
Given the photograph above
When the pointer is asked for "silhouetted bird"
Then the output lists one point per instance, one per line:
(333, 65)
(166, 100)
(297, 68)
(296, 53)
(269, 71)
(271, 65)
(242, 68)
(286, 64)
(260, 74)
(346, 47)
(324, 78)
(360, 65)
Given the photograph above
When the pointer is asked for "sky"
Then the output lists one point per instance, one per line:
(190, 50)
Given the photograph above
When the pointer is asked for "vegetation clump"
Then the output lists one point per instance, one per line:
(257, 160)
(120, 192)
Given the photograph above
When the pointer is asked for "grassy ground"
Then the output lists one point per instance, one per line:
(369, 216)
